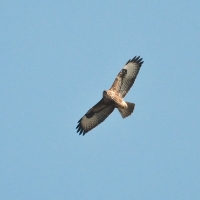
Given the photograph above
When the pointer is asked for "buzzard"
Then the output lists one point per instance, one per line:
(112, 98)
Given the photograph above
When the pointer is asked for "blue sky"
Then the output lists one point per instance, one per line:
(57, 57)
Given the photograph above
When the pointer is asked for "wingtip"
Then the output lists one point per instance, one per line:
(136, 59)
(84, 132)
(80, 129)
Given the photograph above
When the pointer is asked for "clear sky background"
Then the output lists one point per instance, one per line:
(57, 57)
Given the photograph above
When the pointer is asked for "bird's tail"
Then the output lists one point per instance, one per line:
(125, 112)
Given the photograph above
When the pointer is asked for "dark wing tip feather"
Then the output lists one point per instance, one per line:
(128, 62)
(80, 128)
(137, 60)
(81, 131)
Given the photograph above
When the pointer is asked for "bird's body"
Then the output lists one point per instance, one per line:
(112, 98)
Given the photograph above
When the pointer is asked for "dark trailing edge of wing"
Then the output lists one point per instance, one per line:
(136, 59)
(80, 128)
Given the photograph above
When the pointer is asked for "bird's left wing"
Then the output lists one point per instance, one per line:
(94, 117)
(132, 69)
(127, 76)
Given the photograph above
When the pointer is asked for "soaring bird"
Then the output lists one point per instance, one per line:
(112, 98)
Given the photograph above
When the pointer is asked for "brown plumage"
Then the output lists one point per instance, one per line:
(112, 98)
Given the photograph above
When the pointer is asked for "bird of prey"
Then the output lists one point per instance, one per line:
(112, 98)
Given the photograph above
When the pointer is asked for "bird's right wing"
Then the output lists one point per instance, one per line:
(94, 117)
